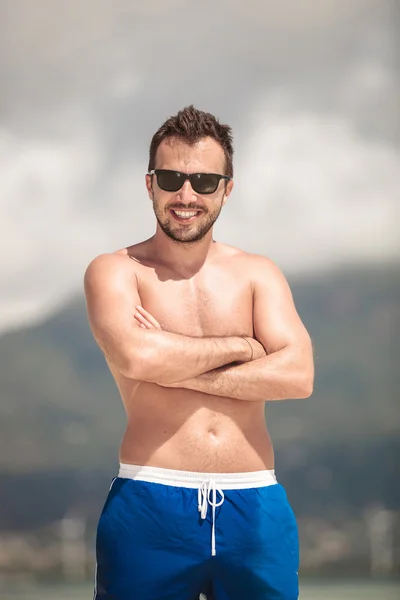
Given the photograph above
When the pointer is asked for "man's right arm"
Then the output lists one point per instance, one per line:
(152, 355)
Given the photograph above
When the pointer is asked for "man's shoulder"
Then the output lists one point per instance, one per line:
(259, 270)
(248, 260)
(109, 268)
(108, 262)
(123, 259)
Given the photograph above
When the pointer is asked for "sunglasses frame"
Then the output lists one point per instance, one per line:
(187, 176)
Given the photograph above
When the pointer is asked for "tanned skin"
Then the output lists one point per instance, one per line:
(198, 335)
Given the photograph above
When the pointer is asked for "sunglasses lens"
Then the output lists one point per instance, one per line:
(170, 181)
(204, 183)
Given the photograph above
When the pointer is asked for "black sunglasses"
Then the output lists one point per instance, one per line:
(202, 183)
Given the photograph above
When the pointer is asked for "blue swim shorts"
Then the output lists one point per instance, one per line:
(173, 535)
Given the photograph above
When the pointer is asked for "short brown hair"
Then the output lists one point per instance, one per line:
(191, 125)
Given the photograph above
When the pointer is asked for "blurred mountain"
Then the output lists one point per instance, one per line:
(60, 408)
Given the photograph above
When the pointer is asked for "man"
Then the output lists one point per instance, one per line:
(198, 335)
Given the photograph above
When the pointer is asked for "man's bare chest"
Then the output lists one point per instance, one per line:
(217, 304)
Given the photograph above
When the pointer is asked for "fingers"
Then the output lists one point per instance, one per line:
(143, 323)
(146, 319)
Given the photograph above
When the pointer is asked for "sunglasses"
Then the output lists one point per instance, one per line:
(202, 183)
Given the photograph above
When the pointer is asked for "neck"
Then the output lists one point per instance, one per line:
(183, 259)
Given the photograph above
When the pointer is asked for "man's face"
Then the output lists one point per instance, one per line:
(206, 156)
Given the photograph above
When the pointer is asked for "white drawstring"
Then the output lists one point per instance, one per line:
(204, 500)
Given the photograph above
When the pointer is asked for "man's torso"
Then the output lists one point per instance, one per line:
(183, 429)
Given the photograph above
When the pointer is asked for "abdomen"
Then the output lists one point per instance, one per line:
(186, 430)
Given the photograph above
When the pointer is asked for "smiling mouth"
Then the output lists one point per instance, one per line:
(185, 216)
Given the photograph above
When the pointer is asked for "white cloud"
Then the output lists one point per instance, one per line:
(42, 186)
(60, 209)
(313, 194)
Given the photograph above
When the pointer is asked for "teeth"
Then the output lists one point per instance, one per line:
(185, 214)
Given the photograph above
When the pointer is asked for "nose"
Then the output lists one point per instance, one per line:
(186, 193)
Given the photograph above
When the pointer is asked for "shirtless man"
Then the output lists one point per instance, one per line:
(198, 335)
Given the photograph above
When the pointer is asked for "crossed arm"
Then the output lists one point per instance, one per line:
(282, 365)
(285, 370)
(111, 291)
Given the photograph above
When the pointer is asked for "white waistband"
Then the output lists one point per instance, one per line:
(189, 479)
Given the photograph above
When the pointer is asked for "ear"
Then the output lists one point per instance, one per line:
(228, 190)
(149, 186)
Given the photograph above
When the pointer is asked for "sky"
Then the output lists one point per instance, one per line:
(311, 90)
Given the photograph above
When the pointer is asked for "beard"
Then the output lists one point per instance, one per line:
(186, 234)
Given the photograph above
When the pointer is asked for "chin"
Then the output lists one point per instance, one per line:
(192, 239)
(182, 236)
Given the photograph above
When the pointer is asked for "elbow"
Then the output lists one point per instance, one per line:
(305, 385)
(144, 365)
(128, 367)
(303, 380)
(305, 390)
(135, 366)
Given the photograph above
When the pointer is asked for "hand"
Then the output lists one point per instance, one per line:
(145, 319)
(258, 349)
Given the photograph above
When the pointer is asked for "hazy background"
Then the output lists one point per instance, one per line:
(311, 90)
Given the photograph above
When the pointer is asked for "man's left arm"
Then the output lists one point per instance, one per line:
(287, 371)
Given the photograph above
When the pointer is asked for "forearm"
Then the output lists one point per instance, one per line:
(279, 376)
(169, 357)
